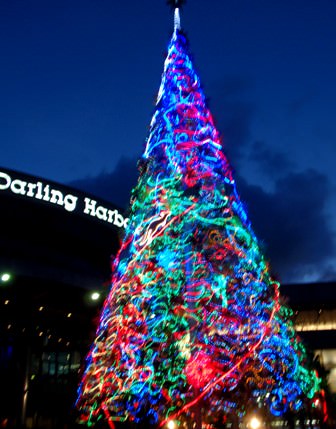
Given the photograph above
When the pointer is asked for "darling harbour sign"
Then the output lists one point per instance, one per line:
(50, 194)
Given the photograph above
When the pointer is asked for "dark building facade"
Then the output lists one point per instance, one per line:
(314, 307)
(56, 246)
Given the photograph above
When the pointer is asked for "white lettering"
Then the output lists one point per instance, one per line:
(118, 220)
(38, 194)
(38, 190)
(70, 202)
(6, 178)
(31, 187)
(18, 187)
(101, 213)
(90, 207)
(44, 192)
(56, 197)
(111, 213)
(46, 196)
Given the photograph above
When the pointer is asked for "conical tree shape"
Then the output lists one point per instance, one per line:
(193, 314)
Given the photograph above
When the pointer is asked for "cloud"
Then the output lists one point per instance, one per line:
(114, 186)
(292, 225)
(270, 162)
(289, 211)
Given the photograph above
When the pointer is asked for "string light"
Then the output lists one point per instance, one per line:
(193, 314)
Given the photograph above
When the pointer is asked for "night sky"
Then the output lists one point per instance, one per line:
(78, 81)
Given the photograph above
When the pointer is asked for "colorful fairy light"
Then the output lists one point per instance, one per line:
(193, 315)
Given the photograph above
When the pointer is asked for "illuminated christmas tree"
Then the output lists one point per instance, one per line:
(193, 316)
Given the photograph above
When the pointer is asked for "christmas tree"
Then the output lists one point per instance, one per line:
(193, 316)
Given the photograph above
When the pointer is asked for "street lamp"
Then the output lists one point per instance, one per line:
(95, 296)
(5, 277)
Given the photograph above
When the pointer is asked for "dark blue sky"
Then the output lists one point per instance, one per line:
(78, 80)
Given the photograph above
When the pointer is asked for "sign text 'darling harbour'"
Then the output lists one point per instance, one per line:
(45, 192)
